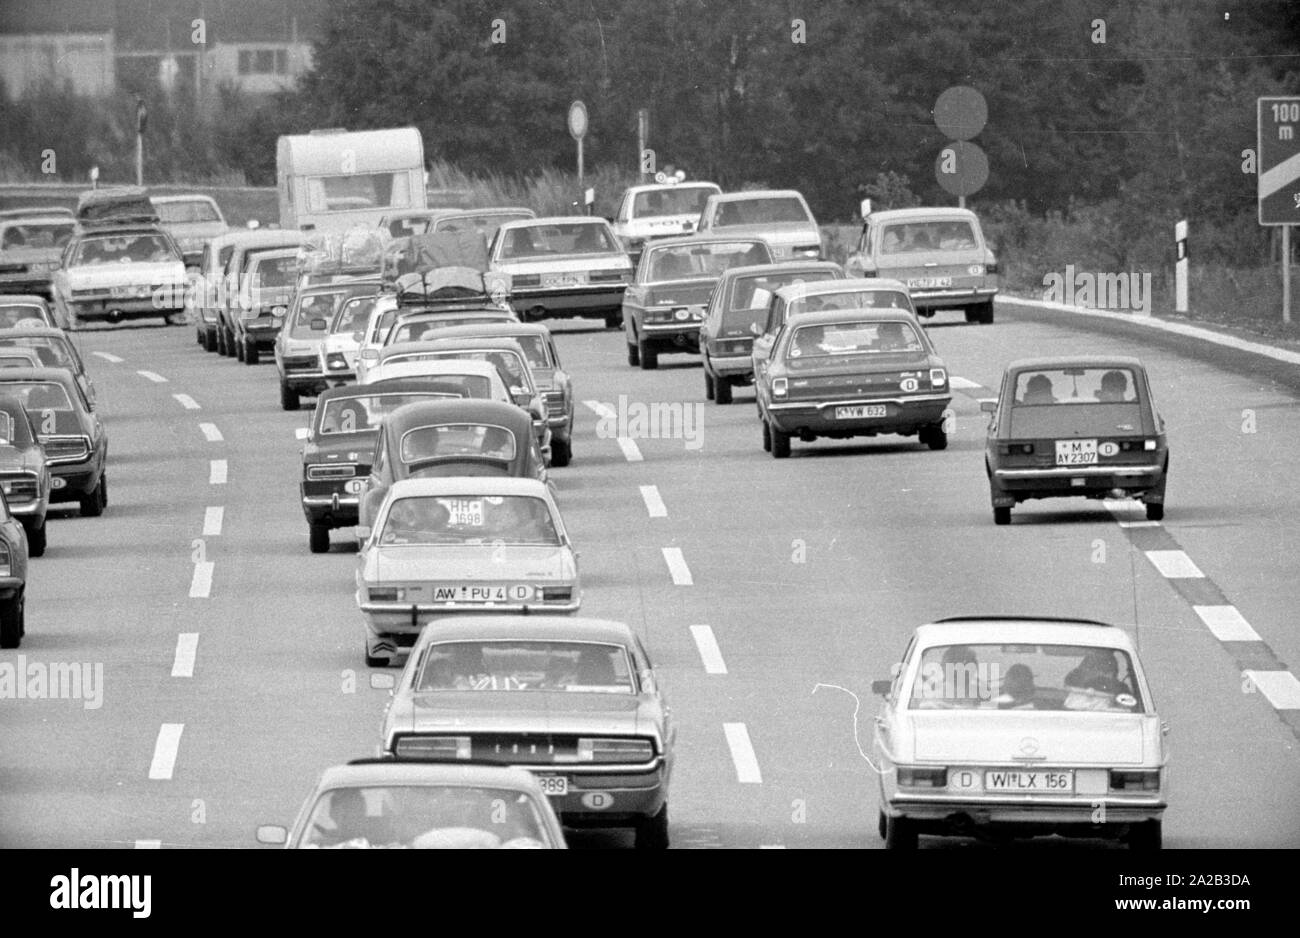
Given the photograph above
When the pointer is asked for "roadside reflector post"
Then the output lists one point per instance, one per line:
(1286, 273)
(1180, 267)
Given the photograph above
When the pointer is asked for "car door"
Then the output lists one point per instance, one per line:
(882, 740)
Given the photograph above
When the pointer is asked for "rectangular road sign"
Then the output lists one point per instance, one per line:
(1279, 161)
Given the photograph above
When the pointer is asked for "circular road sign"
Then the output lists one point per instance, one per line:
(961, 168)
(961, 112)
(577, 120)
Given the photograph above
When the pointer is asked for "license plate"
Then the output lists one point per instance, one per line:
(553, 784)
(466, 512)
(57, 482)
(865, 410)
(482, 594)
(122, 293)
(1076, 452)
(1030, 782)
(924, 282)
(563, 280)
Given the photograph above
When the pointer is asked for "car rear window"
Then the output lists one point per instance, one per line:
(854, 338)
(536, 242)
(36, 235)
(14, 432)
(1049, 386)
(755, 293)
(187, 212)
(448, 440)
(764, 211)
(121, 249)
(1025, 677)
(51, 351)
(526, 666)
(679, 200)
(14, 315)
(486, 225)
(915, 237)
(850, 299)
(475, 520)
(708, 259)
(38, 395)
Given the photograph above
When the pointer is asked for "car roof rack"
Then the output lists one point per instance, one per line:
(949, 620)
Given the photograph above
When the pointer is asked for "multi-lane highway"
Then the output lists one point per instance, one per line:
(771, 593)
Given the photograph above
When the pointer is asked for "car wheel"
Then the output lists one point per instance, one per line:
(934, 437)
(288, 397)
(900, 834)
(198, 331)
(1156, 511)
(986, 313)
(250, 352)
(220, 338)
(649, 356)
(614, 321)
(239, 348)
(633, 354)
(652, 832)
(780, 442)
(722, 390)
(561, 452)
(1002, 514)
(972, 313)
(92, 503)
(209, 340)
(1145, 836)
(767, 437)
(36, 539)
(318, 536)
(709, 389)
(11, 622)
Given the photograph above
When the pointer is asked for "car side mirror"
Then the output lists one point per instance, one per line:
(989, 407)
(301, 433)
(881, 688)
(755, 328)
(363, 532)
(273, 835)
(370, 354)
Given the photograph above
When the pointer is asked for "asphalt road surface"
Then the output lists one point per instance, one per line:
(770, 593)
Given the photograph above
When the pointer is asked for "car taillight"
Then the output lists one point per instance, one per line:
(526, 280)
(1141, 780)
(387, 594)
(1149, 445)
(615, 750)
(434, 747)
(779, 387)
(918, 777)
(991, 267)
(335, 361)
(808, 250)
(6, 561)
(938, 377)
(557, 593)
(324, 472)
(1016, 449)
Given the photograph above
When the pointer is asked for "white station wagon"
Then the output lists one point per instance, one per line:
(1002, 727)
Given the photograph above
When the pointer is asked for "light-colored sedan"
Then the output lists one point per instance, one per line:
(781, 217)
(461, 544)
(1004, 727)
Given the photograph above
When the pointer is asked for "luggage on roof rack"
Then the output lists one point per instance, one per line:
(451, 285)
(357, 250)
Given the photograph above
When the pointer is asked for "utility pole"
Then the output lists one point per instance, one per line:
(141, 118)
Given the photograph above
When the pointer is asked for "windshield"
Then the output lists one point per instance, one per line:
(1075, 386)
(366, 411)
(677, 200)
(526, 666)
(486, 225)
(275, 273)
(12, 315)
(312, 306)
(915, 237)
(763, 211)
(426, 817)
(508, 363)
(123, 249)
(542, 241)
(753, 294)
(685, 261)
(38, 395)
(1026, 677)
(451, 440)
(354, 314)
(50, 350)
(470, 520)
(46, 235)
(854, 299)
(194, 210)
(854, 338)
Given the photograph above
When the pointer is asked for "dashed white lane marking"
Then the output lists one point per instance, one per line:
(601, 410)
(165, 750)
(186, 401)
(1139, 524)
(187, 647)
(631, 452)
(1227, 624)
(201, 584)
(958, 383)
(148, 845)
(653, 502)
(211, 432)
(710, 653)
(681, 573)
(213, 518)
(152, 376)
(217, 472)
(1280, 687)
(109, 357)
(1174, 564)
(742, 753)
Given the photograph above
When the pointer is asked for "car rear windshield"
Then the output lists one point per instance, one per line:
(486, 225)
(514, 372)
(755, 292)
(453, 385)
(526, 666)
(366, 411)
(679, 200)
(187, 212)
(765, 211)
(537, 351)
(450, 440)
(38, 395)
(537, 242)
(854, 338)
(473, 520)
(1025, 677)
(429, 817)
(121, 249)
(52, 351)
(16, 315)
(274, 272)
(413, 330)
(850, 299)
(1048, 386)
(709, 259)
(36, 234)
(917, 236)
(354, 314)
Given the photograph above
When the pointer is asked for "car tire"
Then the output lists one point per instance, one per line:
(239, 348)
(900, 834)
(1147, 835)
(288, 398)
(934, 437)
(318, 538)
(93, 502)
(633, 354)
(1156, 511)
(250, 353)
(219, 337)
(198, 331)
(780, 442)
(36, 540)
(986, 313)
(652, 832)
(1002, 514)
(767, 437)
(12, 627)
(648, 355)
(209, 340)
(709, 389)
(561, 452)
(722, 390)
(972, 314)
(614, 321)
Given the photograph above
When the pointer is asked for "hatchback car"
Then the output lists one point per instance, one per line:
(373, 804)
(298, 345)
(461, 544)
(940, 253)
(1075, 427)
(574, 701)
(849, 373)
(996, 727)
(781, 217)
(664, 307)
(735, 316)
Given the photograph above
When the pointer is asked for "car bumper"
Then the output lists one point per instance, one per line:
(951, 296)
(731, 366)
(671, 336)
(32, 509)
(952, 815)
(78, 479)
(336, 510)
(133, 306)
(573, 301)
(41, 286)
(1012, 485)
(628, 793)
(263, 333)
(306, 382)
(10, 585)
(404, 618)
(905, 414)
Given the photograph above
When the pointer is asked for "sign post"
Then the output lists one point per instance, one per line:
(141, 118)
(578, 130)
(1279, 176)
